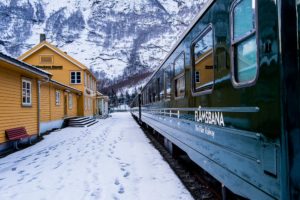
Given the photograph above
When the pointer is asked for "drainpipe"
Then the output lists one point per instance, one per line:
(38, 105)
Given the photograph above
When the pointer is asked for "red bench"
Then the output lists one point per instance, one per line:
(17, 134)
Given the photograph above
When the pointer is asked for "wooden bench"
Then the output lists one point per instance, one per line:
(17, 134)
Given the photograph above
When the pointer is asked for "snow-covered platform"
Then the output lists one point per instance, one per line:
(109, 160)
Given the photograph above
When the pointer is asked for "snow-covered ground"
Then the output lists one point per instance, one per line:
(109, 160)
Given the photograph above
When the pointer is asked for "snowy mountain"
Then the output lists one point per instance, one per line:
(115, 38)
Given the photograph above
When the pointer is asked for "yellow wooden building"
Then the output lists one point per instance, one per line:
(57, 102)
(30, 99)
(66, 70)
(19, 96)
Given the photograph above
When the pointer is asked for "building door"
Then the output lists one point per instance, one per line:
(65, 105)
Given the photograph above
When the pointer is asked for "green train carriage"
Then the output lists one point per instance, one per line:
(228, 95)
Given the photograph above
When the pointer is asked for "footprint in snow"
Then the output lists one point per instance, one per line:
(121, 190)
(126, 174)
(117, 182)
(115, 198)
(21, 179)
(96, 194)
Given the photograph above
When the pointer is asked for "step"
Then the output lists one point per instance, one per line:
(83, 123)
(90, 123)
(79, 119)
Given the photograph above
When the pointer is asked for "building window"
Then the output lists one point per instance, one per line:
(26, 92)
(70, 101)
(85, 79)
(75, 77)
(202, 63)
(46, 59)
(243, 41)
(179, 76)
(57, 98)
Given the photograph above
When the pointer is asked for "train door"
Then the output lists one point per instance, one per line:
(290, 101)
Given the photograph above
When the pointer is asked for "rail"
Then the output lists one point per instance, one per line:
(178, 111)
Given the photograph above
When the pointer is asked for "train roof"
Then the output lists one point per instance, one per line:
(182, 36)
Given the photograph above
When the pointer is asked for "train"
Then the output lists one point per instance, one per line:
(228, 95)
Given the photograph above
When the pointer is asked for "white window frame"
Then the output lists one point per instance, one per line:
(76, 80)
(70, 98)
(57, 97)
(26, 103)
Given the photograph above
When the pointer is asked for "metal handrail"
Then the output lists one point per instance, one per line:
(211, 109)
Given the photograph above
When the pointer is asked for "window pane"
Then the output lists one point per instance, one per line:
(243, 18)
(246, 60)
(78, 77)
(28, 100)
(161, 87)
(204, 45)
(203, 55)
(197, 77)
(24, 99)
(28, 85)
(179, 64)
(179, 87)
(168, 79)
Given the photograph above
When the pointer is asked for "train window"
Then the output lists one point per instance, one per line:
(168, 81)
(149, 94)
(180, 86)
(179, 76)
(203, 65)
(244, 45)
(179, 64)
(160, 86)
(153, 90)
(157, 88)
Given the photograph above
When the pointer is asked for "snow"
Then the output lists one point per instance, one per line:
(109, 160)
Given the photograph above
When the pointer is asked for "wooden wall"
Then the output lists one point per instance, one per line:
(12, 113)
